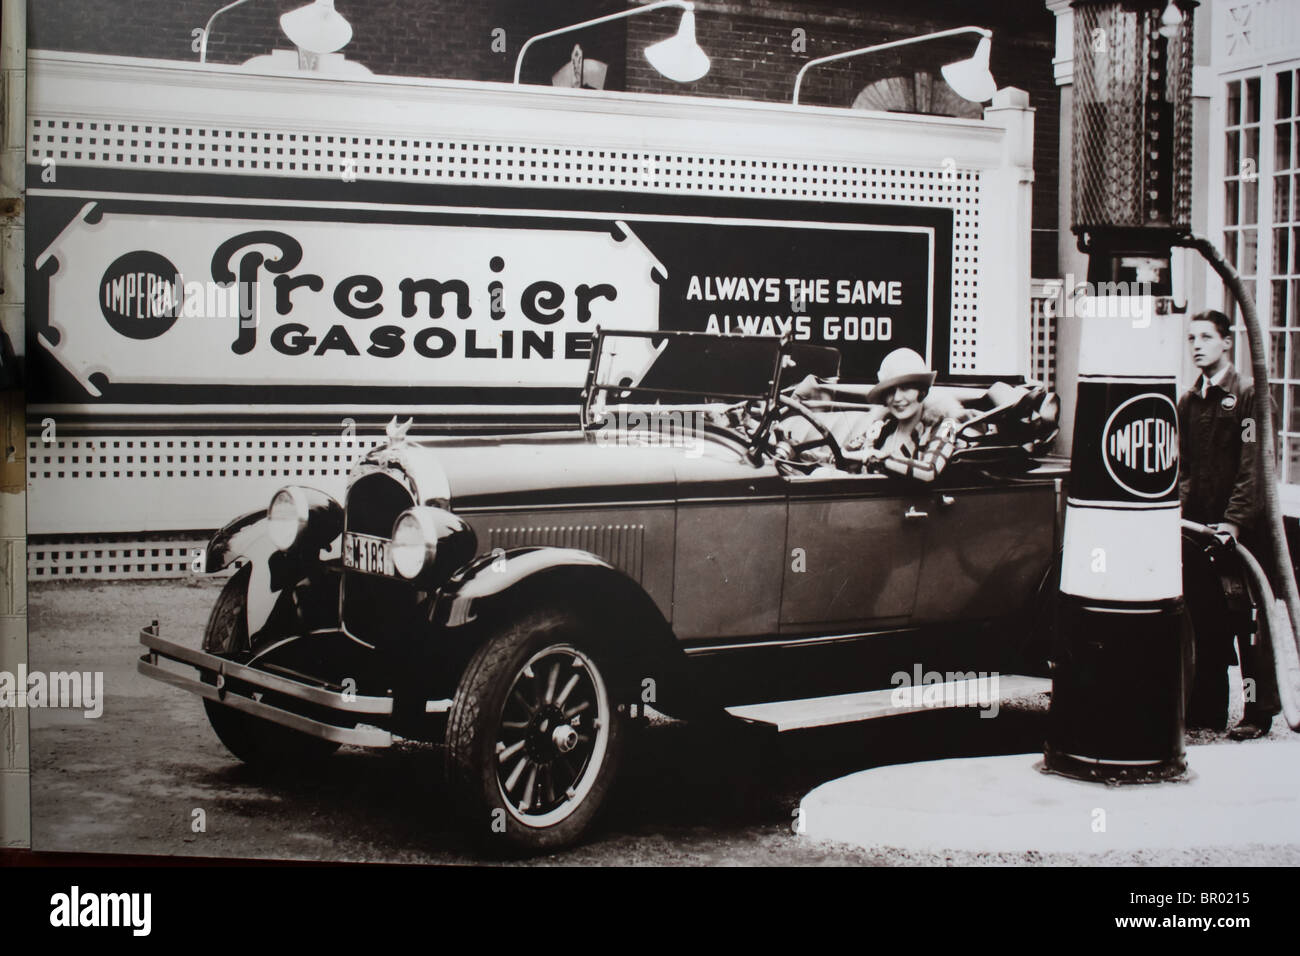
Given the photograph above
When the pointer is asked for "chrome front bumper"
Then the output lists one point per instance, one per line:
(223, 671)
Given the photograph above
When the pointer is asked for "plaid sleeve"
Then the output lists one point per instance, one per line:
(931, 459)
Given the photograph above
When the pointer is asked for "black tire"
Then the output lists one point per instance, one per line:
(256, 742)
(513, 700)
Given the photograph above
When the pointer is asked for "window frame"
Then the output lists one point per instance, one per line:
(1286, 387)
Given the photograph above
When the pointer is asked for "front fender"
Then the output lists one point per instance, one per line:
(639, 633)
(271, 572)
(245, 537)
(461, 599)
(234, 541)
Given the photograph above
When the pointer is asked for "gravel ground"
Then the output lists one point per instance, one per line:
(131, 781)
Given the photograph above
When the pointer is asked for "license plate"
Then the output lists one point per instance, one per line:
(367, 553)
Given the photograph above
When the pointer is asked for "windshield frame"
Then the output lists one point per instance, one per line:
(768, 397)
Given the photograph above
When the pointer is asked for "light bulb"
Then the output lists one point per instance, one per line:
(1171, 21)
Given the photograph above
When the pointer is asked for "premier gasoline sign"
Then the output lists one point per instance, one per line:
(158, 297)
(190, 300)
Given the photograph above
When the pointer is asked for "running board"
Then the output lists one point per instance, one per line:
(787, 715)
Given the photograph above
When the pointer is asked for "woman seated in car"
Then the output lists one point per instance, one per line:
(917, 435)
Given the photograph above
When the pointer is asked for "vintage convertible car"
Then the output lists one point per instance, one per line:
(523, 599)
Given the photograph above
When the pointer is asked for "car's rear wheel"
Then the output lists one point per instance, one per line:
(256, 742)
(535, 734)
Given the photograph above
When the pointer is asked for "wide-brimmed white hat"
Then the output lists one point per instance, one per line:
(901, 367)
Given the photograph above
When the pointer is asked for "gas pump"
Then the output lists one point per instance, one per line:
(1117, 700)
(1118, 684)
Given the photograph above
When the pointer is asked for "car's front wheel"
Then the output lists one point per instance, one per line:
(535, 734)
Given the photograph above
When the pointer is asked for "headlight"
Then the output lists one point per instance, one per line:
(415, 542)
(286, 519)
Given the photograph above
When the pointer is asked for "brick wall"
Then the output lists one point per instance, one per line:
(752, 44)
(443, 38)
(756, 54)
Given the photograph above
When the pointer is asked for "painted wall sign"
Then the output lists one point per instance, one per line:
(865, 290)
(178, 296)
(205, 301)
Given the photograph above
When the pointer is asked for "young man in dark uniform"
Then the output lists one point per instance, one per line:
(1219, 486)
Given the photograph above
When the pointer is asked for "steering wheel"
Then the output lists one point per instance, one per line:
(824, 438)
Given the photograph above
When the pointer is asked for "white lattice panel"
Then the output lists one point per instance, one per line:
(120, 483)
(111, 558)
(247, 456)
(251, 151)
(1043, 329)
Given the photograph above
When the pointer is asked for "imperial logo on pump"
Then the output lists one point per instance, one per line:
(1140, 445)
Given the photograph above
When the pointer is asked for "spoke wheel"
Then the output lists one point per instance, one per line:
(534, 735)
(554, 732)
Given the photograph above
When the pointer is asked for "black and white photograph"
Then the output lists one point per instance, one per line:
(625, 433)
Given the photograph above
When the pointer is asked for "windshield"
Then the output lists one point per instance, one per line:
(677, 367)
(729, 381)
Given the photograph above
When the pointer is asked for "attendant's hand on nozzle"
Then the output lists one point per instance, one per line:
(1225, 532)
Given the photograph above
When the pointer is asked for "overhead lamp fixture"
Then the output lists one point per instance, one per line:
(207, 29)
(970, 79)
(1171, 21)
(679, 57)
(316, 28)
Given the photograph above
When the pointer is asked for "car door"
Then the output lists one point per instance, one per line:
(729, 551)
(854, 549)
(986, 550)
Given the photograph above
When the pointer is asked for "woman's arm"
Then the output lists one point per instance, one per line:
(930, 460)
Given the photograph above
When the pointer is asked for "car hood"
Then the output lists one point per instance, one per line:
(569, 468)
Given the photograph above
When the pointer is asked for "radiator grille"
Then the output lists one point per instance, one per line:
(373, 606)
(373, 504)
